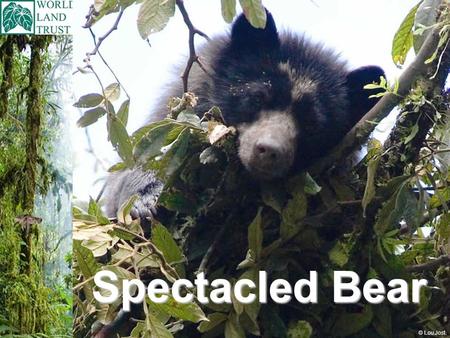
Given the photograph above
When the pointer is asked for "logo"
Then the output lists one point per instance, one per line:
(42, 17)
(17, 17)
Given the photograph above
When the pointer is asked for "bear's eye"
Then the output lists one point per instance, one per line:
(246, 107)
(252, 100)
(256, 100)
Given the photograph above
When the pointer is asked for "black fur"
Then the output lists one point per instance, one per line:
(246, 38)
(292, 101)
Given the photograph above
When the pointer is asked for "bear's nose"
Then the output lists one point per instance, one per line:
(267, 152)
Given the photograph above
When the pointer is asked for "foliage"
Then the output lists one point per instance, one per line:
(154, 15)
(28, 306)
(381, 219)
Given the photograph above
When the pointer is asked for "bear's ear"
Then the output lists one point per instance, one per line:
(359, 100)
(246, 37)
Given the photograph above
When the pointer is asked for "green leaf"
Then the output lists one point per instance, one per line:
(348, 324)
(403, 39)
(126, 3)
(89, 101)
(79, 215)
(274, 196)
(158, 329)
(109, 107)
(443, 226)
(299, 329)
(117, 167)
(412, 134)
(123, 233)
(86, 262)
(143, 131)
(255, 235)
(190, 311)
(24, 18)
(342, 189)
(120, 140)
(233, 328)
(373, 86)
(189, 118)
(443, 39)
(140, 331)
(105, 7)
(102, 5)
(174, 133)
(176, 154)
(95, 210)
(215, 319)
(311, 187)
(402, 203)
(121, 273)
(176, 201)
(339, 255)
(374, 151)
(426, 17)
(440, 197)
(153, 16)
(123, 214)
(125, 253)
(252, 309)
(392, 185)
(99, 246)
(150, 143)
(382, 321)
(9, 17)
(388, 215)
(249, 261)
(122, 114)
(272, 323)
(255, 12)
(112, 92)
(164, 241)
(228, 10)
(292, 215)
(237, 306)
(151, 328)
(91, 116)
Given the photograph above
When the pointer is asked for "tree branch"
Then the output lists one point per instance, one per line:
(193, 57)
(107, 64)
(102, 38)
(361, 131)
(431, 265)
(205, 260)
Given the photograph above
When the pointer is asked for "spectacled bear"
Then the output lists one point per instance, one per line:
(290, 99)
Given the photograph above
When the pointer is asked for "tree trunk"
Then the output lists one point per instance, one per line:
(33, 134)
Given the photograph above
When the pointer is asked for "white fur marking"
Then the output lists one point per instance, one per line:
(300, 83)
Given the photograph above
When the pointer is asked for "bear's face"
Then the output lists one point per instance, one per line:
(291, 100)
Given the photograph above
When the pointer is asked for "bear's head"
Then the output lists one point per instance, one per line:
(291, 100)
